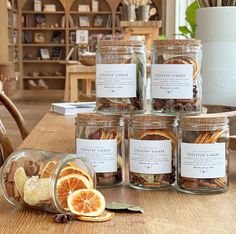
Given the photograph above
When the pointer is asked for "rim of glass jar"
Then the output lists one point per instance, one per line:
(120, 43)
(175, 45)
(150, 120)
(94, 119)
(204, 122)
(56, 172)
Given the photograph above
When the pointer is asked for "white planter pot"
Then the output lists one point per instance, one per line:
(217, 30)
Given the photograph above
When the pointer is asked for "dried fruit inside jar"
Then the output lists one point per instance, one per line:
(203, 160)
(152, 152)
(175, 77)
(31, 177)
(103, 146)
(121, 77)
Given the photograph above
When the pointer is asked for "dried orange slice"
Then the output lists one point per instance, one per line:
(76, 170)
(103, 217)
(66, 185)
(47, 170)
(86, 202)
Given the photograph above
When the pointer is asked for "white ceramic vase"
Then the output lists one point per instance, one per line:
(217, 30)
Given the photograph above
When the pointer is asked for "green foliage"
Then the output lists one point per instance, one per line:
(190, 16)
(162, 37)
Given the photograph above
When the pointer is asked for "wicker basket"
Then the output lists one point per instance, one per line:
(9, 79)
(10, 86)
(87, 60)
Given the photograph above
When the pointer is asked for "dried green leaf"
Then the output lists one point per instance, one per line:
(123, 207)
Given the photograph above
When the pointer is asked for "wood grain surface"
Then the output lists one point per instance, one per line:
(164, 211)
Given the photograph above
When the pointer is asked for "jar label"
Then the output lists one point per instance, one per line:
(101, 153)
(203, 160)
(172, 81)
(150, 157)
(116, 80)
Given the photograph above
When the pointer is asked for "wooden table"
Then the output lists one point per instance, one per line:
(165, 211)
(78, 72)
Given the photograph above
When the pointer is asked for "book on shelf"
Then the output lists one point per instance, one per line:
(37, 5)
(71, 22)
(56, 53)
(94, 5)
(72, 108)
(109, 21)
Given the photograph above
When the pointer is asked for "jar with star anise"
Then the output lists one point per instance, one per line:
(203, 160)
(176, 86)
(101, 140)
(152, 151)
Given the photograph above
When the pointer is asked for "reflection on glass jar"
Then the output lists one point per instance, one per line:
(203, 157)
(152, 151)
(120, 77)
(176, 85)
(42, 179)
(100, 139)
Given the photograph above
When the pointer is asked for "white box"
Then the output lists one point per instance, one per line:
(94, 6)
(83, 8)
(37, 5)
(49, 7)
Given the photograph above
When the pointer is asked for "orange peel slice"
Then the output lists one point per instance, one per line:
(105, 216)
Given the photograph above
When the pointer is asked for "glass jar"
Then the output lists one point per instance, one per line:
(176, 86)
(152, 151)
(35, 178)
(204, 153)
(100, 139)
(120, 77)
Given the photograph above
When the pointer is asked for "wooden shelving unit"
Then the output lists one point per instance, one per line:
(64, 21)
(13, 42)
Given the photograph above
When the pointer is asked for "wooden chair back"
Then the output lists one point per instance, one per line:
(5, 145)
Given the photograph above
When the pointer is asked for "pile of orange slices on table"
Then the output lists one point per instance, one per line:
(76, 194)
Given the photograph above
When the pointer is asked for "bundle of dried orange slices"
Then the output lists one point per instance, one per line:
(76, 194)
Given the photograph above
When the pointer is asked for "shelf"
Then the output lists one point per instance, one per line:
(43, 61)
(42, 29)
(91, 28)
(43, 77)
(44, 12)
(43, 45)
(91, 13)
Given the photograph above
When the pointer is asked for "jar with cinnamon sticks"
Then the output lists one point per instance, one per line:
(176, 86)
(120, 77)
(152, 151)
(203, 158)
(100, 139)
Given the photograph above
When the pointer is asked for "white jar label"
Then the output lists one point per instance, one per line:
(116, 80)
(101, 153)
(150, 157)
(203, 161)
(172, 81)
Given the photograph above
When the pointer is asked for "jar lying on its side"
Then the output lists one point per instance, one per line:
(100, 139)
(120, 77)
(204, 153)
(152, 151)
(40, 179)
(176, 86)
